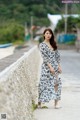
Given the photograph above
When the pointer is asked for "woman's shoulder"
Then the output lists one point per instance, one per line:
(42, 44)
(57, 52)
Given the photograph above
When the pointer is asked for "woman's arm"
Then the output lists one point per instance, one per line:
(45, 57)
(51, 68)
(57, 55)
(59, 69)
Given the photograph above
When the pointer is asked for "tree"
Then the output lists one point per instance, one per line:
(72, 23)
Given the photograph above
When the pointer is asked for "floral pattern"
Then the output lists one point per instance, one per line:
(46, 88)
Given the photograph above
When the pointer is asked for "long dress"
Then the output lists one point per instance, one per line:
(46, 88)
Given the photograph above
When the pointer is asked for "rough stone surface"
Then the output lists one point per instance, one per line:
(18, 86)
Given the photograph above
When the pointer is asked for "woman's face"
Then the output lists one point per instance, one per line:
(47, 35)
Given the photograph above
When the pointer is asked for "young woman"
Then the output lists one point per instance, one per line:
(50, 84)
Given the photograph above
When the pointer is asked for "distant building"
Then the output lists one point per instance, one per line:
(55, 18)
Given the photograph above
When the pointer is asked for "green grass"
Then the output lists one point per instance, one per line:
(34, 106)
(18, 42)
(71, 43)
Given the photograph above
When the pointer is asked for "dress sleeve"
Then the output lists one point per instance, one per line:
(57, 55)
(44, 53)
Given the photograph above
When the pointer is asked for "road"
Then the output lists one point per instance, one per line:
(70, 100)
(7, 61)
(70, 62)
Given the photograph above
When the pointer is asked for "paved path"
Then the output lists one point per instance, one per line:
(7, 61)
(4, 52)
(70, 102)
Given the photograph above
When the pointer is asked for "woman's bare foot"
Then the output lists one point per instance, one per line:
(39, 104)
(56, 104)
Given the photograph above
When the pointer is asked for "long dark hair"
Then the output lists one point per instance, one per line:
(52, 41)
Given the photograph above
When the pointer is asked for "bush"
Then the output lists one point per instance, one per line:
(11, 32)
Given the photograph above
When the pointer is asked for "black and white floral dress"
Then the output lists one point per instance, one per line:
(47, 79)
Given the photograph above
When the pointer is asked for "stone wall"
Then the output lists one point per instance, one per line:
(18, 86)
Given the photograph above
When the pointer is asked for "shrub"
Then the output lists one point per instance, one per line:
(11, 32)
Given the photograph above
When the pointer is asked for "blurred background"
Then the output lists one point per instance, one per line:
(23, 22)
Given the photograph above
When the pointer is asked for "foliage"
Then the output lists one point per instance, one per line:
(11, 32)
(41, 39)
(14, 14)
(34, 106)
(72, 23)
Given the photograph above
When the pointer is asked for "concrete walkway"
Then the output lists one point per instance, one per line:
(9, 56)
(4, 52)
(70, 101)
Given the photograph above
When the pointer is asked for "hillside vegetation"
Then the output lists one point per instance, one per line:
(22, 10)
(14, 14)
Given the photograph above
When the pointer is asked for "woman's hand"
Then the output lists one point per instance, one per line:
(59, 70)
(51, 68)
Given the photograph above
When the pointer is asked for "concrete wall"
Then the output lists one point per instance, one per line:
(18, 86)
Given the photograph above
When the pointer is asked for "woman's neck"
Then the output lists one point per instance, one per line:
(47, 41)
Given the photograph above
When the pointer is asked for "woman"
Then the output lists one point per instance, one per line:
(50, 84)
